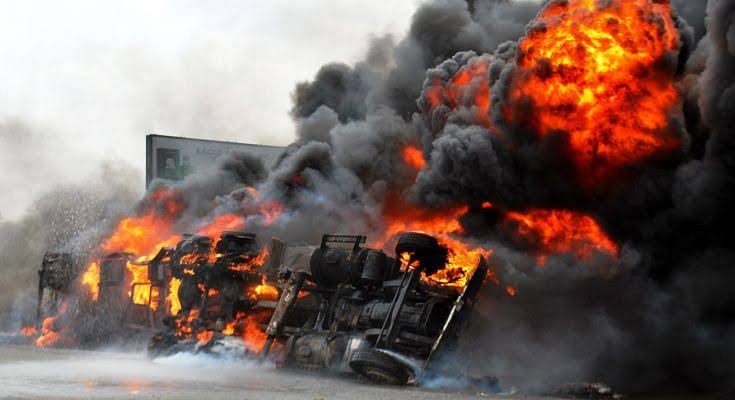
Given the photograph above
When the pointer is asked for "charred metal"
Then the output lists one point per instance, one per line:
(338, 307)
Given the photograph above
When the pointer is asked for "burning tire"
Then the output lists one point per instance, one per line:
(416, 242)
(425, 248)
(380, 367)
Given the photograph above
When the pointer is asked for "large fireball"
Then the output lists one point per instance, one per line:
(599, 73)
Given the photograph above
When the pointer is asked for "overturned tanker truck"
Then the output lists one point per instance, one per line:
(355, 309)
(187, 293)
(339, 306)
(219, 293)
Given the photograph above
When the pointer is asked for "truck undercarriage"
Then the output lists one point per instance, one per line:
(339, 307)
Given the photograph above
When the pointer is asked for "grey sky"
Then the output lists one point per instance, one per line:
(83, 81)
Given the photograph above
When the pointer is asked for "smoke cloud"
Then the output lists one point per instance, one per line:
(694, 13)
(656, 315)
(214, 72)
(70, 218)
(653, 318)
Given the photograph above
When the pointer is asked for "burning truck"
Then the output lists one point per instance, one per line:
(360, 310)
(340, 307)
(579, 152)
(192, 290)
(218, 291)
(384, 309)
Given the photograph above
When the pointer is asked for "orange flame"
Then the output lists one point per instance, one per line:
(142, 236)
(167, 200)
(48, 337)
(91, 280)
(594, 73)
(53, 333)
(252, 264)
(173, 296)
(407, 263)
(222, 223)
(469, 87)
(461, 261)
(243, 325)
(270, 210)
(443, 224)
(28, 331)
(561, 231)
(414, 157)
(264, 291)
(252, 334)
(205, 336)
(248, 327)
(142, 292)
(401, 216)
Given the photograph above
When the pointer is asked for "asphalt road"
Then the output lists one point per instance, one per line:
(28, 372)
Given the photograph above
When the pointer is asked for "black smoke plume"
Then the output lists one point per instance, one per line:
(658, 317)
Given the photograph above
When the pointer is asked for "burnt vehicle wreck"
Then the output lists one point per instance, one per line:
(217, 291)
(338, 307)
(55, 281)
(358, 310)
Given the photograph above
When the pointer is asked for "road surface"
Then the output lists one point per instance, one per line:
(30, 372)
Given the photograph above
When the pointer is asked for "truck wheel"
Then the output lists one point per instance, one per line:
(380, 367)
(426, 248)
(417, 243)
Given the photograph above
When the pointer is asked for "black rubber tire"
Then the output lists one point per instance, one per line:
(380, 367)
(417, 243)
(430, 253)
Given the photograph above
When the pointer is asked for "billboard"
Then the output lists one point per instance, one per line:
(173, 158)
